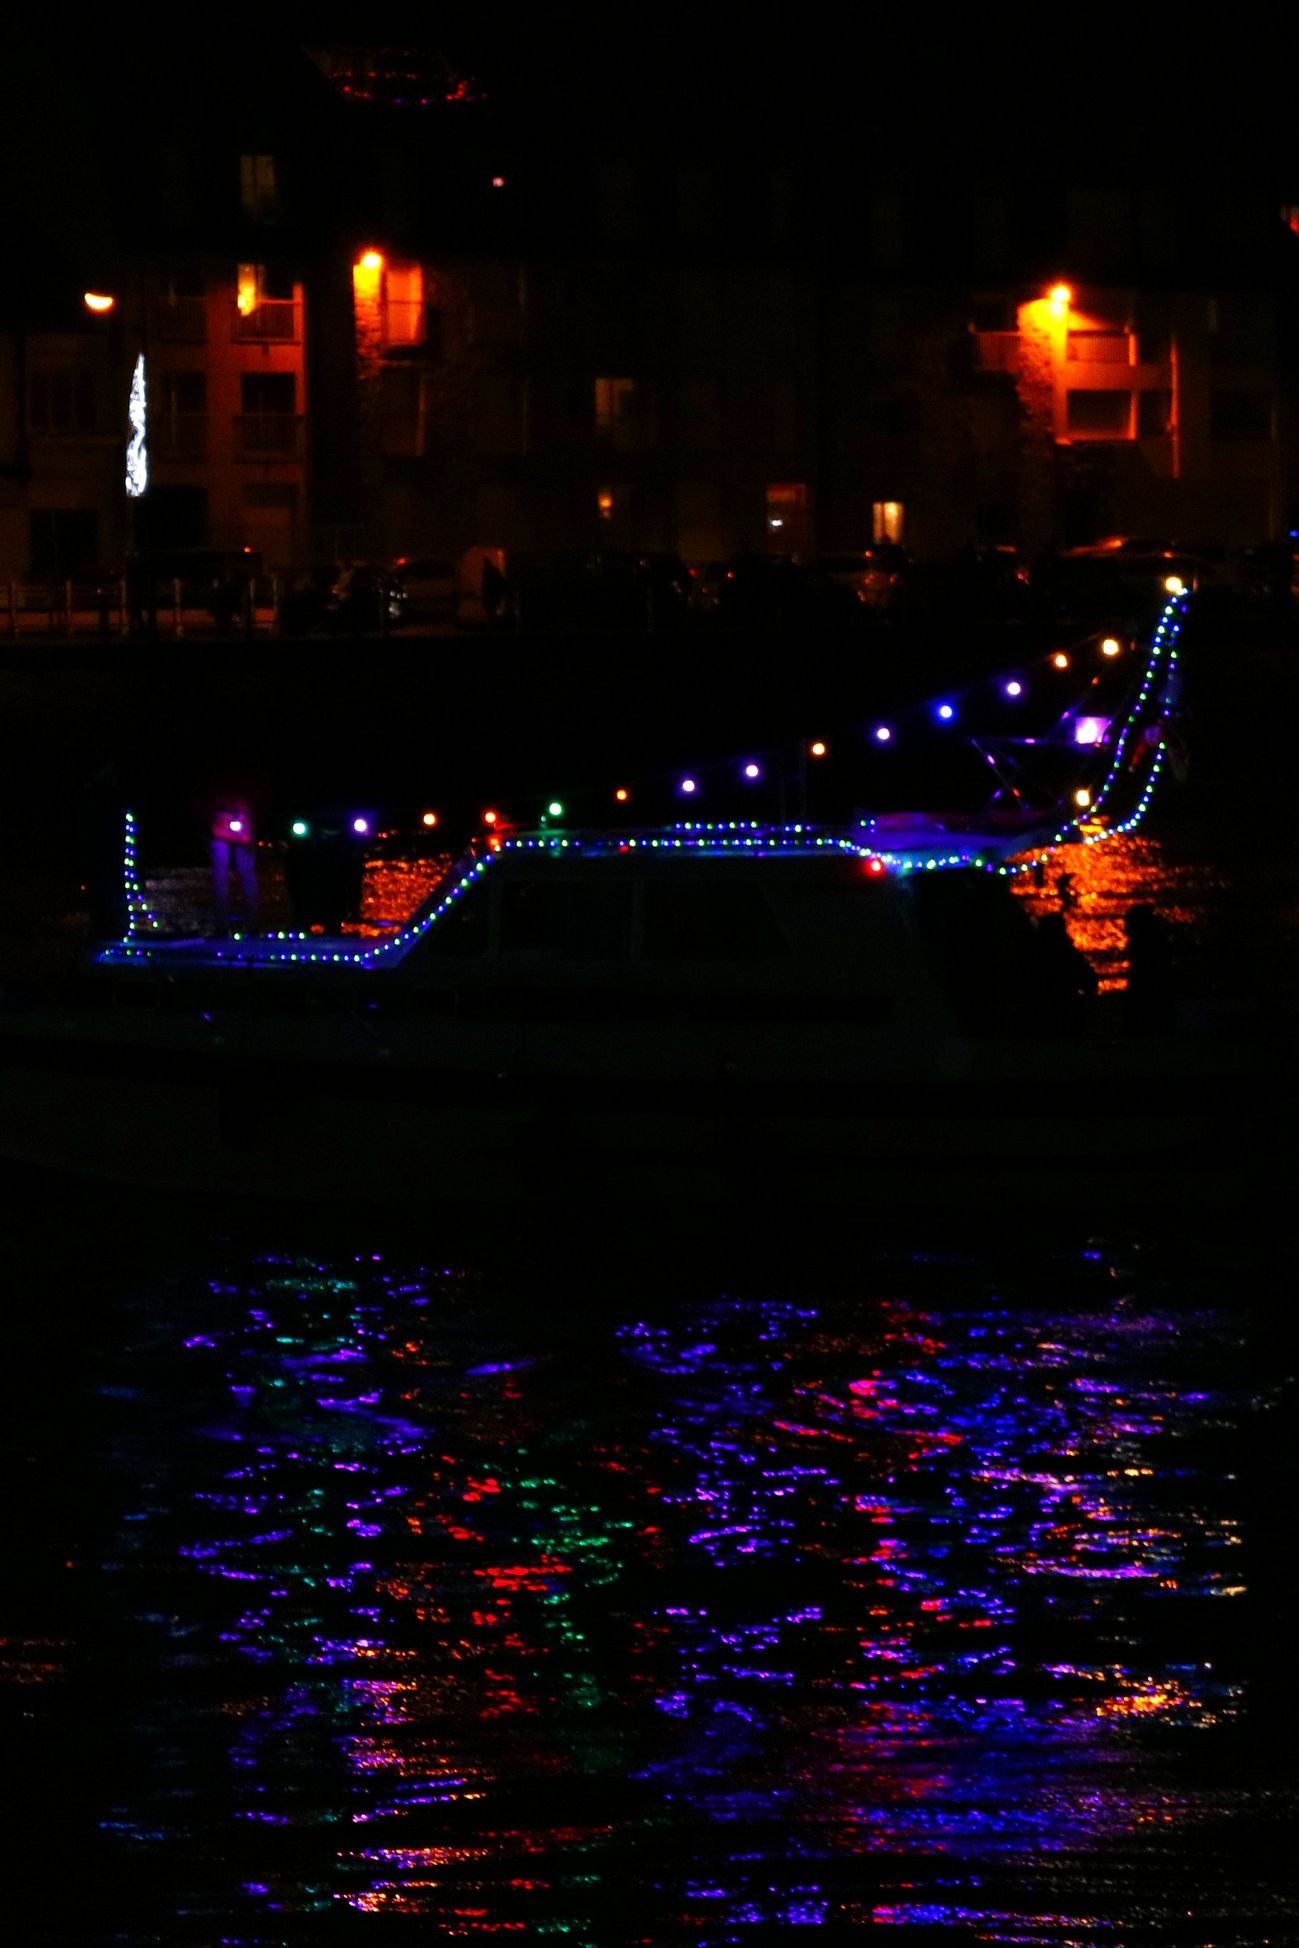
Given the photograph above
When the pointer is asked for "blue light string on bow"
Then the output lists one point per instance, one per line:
(1162, 657)
(138, 911)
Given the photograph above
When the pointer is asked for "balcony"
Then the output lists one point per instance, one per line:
(272, 321)
(268, 436)
(1099, 348)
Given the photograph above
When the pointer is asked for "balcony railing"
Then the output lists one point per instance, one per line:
(1099, 347)
(269, 436)
(179, 321)
(271, 321)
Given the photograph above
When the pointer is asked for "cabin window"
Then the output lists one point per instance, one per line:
(566, 920)
(462, 931)
(709, 921)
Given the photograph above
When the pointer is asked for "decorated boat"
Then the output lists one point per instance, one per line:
(767, 1018)
(700, 1016)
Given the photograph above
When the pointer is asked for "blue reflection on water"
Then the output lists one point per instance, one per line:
(913, 1604)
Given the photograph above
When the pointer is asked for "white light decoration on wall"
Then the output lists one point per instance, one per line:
(137, 453)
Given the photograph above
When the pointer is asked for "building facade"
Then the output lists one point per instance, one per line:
(381, 323)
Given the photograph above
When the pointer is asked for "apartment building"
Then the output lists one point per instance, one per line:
(378, 316)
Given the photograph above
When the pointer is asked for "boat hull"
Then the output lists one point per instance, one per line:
(1094, 1131)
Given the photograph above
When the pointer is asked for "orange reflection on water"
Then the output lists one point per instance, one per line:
(394, 888)
(1103, 881)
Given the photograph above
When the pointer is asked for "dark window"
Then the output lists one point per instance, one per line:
(896, 417)
(1153, 345)
(599, 922)
(257, 187)
(267, 392)
(178, 517)
(534, 919)
(184, 392)
(1106, 414)
(713, 921)
(994, 521)
(462, 931)
(275, 282)
(1240, 415)
(62, 402)
(566, 920)
(63, 540)
(1154, 414)
(994, 314)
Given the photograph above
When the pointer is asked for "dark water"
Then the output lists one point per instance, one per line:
(945, 1591)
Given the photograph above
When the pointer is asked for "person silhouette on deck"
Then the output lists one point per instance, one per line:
(231, 810)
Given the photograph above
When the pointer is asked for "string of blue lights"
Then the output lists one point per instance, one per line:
(1148, 716)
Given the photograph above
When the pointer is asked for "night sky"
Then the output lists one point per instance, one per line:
(1012, 88)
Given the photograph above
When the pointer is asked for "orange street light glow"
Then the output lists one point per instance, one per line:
(1060, 294)
(817, 749)
(621, 794)
(371, 260)
(98, 301)
(430, 818)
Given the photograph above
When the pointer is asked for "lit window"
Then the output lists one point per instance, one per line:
(403, 305)
(615, 411)
(887, 520)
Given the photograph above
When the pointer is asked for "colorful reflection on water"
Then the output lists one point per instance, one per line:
(923, 1604)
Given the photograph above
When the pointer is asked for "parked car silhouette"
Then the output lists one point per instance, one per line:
(361, 599)
(773, 592)
(877, 576)
(424, 588)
